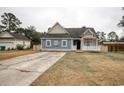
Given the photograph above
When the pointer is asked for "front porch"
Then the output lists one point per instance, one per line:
(85, 45)
(91, 48)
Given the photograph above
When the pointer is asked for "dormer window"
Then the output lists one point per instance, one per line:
(88, 33)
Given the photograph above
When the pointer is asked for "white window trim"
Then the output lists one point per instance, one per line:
(48, 41)
(56, 42)
(64, 41)
(89, 31)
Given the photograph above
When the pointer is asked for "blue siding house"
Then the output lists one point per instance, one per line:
(59, 38)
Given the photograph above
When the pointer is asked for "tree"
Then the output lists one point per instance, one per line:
(122, 39)
(32, 28)
(20, 30)
(10, 22)
(101, 36)
(112, 36)
(36, 38)
(31, 33)
(0, 29)
(34, 35)
(121, 23)
(26, 31)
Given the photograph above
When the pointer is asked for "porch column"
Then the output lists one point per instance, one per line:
(96, 42)
(72, 44)
(41, 44)
(91, 43)
(82, 43)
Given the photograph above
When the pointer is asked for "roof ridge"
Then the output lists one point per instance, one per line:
(19, 36)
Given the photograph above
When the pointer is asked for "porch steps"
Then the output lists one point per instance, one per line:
(78, 51)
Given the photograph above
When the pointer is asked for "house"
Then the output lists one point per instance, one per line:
(11, 40)
(59, 38)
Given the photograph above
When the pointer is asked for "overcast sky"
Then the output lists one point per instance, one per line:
(101, 19)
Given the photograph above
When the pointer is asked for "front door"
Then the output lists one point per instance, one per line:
(77, 43)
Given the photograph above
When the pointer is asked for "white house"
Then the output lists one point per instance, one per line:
(11, 40)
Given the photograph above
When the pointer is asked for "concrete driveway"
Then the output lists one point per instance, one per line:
(24, 70)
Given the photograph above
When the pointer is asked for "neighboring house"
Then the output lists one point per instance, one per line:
(59, 38)
(11, 40)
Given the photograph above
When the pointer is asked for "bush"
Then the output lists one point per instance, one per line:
(19, 47)
(8, 49)
(12, 49)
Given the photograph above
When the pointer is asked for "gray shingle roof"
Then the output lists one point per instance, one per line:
(15, 36)
(72, 32)
(56, 35)
(19, 36)
(77, 32)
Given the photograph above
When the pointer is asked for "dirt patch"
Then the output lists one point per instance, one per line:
(85, 69)
(14, 53)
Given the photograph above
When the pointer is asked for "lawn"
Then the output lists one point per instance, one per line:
(14, 53)
(85, 69)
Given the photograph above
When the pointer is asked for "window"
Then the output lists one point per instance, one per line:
(87, 42)
(64, 43)
(56, 42)
(48, 43)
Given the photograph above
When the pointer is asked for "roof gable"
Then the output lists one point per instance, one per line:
(57, 29)
(88, 32)
(6, 35)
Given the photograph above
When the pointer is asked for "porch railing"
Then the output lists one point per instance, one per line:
(91, 48)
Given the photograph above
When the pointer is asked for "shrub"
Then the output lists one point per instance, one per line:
(8, 49)
(19, 47)
(12, 49)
